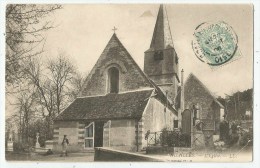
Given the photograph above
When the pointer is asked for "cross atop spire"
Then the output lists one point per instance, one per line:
(162, 37)
(114, 29)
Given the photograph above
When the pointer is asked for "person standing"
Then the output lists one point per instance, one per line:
(65, 143)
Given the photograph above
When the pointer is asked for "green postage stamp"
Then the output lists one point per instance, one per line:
(215, 43)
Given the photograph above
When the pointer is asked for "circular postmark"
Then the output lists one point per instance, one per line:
(214, 43)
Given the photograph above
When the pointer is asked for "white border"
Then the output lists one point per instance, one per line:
(256, 155)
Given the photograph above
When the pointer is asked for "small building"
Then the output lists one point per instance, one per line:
(206, 112)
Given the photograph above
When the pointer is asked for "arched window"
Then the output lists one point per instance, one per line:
(113, 80)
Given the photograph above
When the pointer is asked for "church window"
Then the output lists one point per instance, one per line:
(158, 55)
(113, 80)
(175, 124)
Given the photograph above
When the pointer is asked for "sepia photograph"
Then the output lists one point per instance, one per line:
(157, 82)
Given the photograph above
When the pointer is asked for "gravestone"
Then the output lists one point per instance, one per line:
(10, 143)
(38, 148)
(37, 145)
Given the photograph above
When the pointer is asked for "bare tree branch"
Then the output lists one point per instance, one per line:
(25, 24)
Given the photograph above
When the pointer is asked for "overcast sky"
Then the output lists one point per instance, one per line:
(84, 31)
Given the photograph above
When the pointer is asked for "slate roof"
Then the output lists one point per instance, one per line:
(162, 37)
(192, 76)
(128, 105)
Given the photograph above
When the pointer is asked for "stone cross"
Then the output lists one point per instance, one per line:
(114, 29)
(37, 137)
(10, 136)
(37, 140)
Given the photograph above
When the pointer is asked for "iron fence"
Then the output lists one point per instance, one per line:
(168, 138)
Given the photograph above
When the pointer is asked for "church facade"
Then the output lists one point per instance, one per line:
(119, 102)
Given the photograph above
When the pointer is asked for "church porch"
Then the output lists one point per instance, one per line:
(120, 134)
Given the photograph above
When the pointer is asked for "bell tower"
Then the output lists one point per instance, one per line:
(161, 60)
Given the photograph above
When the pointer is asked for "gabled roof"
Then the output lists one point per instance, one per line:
(162, 37)
(116, 51)
(114, 42)
(193, 77)
(128, 105)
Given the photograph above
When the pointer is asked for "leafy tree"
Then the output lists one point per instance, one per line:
(237, 104)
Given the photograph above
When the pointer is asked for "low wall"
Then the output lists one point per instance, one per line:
(106, 154)
(159, 150)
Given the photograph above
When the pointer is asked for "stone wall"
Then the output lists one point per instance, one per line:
(155, 118)
(123, 135)
(158, 67)
(120, 134)
(69, 128)
(163, 72)
(196, 94)
(114, 55)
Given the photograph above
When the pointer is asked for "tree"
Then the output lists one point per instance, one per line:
(237, 104)
(61, 74)
(76, 85)
(26, 107)
(25, 27)
(53, 83)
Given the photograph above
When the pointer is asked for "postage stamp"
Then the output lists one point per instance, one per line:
(215, 43)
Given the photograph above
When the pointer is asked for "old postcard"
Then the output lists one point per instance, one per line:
(129, 82)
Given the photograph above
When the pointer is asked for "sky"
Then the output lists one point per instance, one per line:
(84, 30)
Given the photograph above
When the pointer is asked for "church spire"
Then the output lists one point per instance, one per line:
(161, 60)
(162, 37)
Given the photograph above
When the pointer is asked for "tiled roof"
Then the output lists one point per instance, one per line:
(193, 77)
(111, 106)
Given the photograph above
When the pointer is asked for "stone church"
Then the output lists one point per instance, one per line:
(120, 102)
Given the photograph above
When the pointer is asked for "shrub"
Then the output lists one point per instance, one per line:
(245, 139)
(174, 138)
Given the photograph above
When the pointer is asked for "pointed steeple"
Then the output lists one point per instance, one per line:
(161, 60)
(162, 37)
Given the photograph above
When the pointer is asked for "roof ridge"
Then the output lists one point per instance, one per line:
(93, 69)
(111, 106)
(119, 93)
(142, 73)
(135, 64)
(114, 37)
(205, 87)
